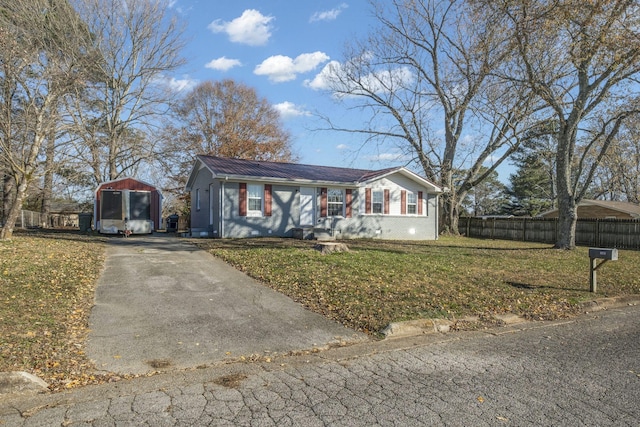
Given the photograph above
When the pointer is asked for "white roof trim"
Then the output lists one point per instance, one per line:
(411, 175)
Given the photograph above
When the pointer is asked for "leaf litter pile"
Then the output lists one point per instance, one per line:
(378, 282)
(47, 286)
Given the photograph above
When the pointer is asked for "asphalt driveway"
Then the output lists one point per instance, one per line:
(162, 303)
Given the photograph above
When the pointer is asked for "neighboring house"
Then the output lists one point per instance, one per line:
(601, 209)
(64, 214)
(245, 198)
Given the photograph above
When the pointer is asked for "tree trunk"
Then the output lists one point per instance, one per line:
(47, 189)
(567, 220)
(8, 194)
(450, 214)
(567, 203)
(7, 231)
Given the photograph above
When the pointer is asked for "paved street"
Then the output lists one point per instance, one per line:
(584, 372)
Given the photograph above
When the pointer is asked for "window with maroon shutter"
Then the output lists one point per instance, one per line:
(403, 202)
(377, 202)
(419, 202)
(267, 200)
(367, 201)
(412, 201)
(335, 202)
(323, 202)
(242, 211)
(386, 202)
(348, 200)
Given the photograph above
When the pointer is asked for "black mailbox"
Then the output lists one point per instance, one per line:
(603, 253)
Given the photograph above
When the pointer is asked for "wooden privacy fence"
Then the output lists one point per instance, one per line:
(608, 233)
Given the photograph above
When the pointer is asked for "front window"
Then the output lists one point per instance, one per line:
(335, 199)
(412, 203)
(254, 199)
(377, 200)
(197, 199)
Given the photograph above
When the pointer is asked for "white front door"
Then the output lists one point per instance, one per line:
(307, 196)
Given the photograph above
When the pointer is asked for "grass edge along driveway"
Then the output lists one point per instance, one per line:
(378, 282)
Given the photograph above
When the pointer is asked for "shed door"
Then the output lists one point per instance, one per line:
(306, 206)
(140, 205)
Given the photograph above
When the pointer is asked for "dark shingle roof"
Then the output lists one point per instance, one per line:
(626, 207)
(290, 171)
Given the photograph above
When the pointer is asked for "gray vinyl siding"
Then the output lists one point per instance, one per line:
(222, 196)
(200, 217)
(392, 227)
(285, 209)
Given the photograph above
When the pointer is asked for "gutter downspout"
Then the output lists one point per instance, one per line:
(221, 235)
(437, 209)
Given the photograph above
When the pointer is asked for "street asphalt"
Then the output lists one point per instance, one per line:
(580, 372)
(162, 303)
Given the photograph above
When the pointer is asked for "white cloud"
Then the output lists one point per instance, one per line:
(289, 109)
(252, 28)
(223, 64)
(342, 147)
(280, 68)
(388, 157)
(176, 85)
(321, 80)
(328, 15)
(379, 82)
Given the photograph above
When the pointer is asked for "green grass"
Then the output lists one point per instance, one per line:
(379, 282)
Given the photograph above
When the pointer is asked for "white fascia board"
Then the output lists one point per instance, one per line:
(197, 165)
(411, 175)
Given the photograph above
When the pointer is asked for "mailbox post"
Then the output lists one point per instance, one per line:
(594, 255)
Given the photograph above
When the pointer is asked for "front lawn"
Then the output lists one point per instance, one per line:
(48, 279)
(47, 284)
(378, 282)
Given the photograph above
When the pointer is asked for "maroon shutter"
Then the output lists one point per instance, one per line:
(367, 201)
(323, 202)
(403, 202)
(419, 202)
(348, 200)
(386, 202)
(267, 200)
(242, 211)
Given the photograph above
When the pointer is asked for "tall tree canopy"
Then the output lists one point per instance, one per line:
(618, 176)
(582, 59)
(222, 118)
(137, 42)
(41, 48)
(427, 77)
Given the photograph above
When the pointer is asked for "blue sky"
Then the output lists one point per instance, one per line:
(280, 47)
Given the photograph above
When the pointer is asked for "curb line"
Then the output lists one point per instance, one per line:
(434, 326)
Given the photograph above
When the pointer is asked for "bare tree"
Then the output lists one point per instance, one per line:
(222, 118)
(39, 45)
(618, 176)
(582, 58)
(427, 79)
(135, 43)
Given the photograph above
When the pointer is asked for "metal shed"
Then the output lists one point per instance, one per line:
(127, 204)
